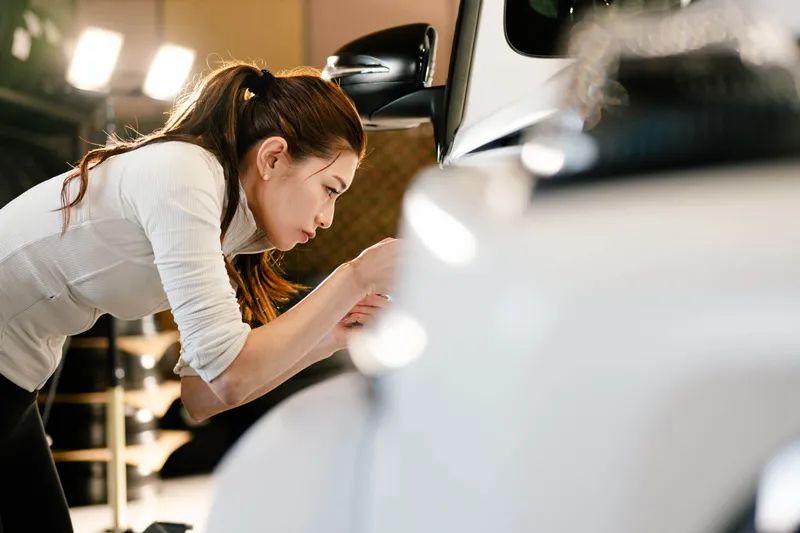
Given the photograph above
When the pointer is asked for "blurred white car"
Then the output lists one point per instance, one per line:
(617, 353)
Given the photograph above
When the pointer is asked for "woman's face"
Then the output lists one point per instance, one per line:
(292, 200)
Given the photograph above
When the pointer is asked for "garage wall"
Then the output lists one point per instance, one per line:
(241, 29)
(272, 31)
(281, 33)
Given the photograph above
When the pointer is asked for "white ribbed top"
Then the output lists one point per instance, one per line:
(146, 238)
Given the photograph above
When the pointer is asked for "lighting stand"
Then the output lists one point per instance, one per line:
(115, 411)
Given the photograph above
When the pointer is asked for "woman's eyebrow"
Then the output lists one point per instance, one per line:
(344, 185)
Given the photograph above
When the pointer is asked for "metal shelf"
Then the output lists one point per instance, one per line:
(66, 125)
(71, 110)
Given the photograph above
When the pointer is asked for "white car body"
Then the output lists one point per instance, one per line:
(508, 92)
(499, 97)
(616, 358)
(627, 370)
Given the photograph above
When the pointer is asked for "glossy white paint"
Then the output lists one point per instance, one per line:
(618, 359)
(507, 91)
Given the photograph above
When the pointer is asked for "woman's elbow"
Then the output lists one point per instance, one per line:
(228, 389)
(200, 400)
(195, 415)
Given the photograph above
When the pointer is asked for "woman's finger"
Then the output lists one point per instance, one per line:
(365, 309)
(357, 318)
(367, 306)
(360, 318)
(375, 300)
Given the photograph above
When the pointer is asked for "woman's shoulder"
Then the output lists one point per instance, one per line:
(171, 163)
(180, 153)
(161, 171)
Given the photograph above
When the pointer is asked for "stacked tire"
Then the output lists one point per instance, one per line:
(77, 402)
(24, 166)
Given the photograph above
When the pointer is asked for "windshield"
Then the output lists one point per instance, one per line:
(533, 26)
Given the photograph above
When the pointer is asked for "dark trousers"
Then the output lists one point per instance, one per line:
(31, 497)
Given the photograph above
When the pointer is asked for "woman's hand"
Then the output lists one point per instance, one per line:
(375, 267)
(359, 316)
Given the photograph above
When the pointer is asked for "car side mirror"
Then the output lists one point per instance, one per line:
(388, 75)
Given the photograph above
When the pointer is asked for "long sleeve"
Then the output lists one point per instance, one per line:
(177, 197)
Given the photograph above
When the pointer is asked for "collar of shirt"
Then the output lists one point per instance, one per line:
(243, 235)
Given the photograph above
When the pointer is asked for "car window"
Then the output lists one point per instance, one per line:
(533, 26)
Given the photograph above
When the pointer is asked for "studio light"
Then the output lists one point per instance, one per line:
(95, 56)
(168, 72)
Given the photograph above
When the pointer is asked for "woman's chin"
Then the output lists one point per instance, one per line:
(284, 243)
(285, 247)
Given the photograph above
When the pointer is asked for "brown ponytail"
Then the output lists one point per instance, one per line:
(221, 115)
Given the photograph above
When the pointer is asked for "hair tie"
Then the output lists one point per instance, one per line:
(259, 84)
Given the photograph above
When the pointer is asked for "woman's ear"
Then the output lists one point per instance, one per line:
(272, 157)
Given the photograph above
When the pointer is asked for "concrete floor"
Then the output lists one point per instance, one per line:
(183, 500)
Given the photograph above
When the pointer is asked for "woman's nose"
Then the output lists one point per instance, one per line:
(325, 218)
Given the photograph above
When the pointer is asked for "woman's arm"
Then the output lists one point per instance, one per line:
(274, 348)
(201, 402)
(176, 195)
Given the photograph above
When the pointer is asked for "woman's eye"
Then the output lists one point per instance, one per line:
(332, 191)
